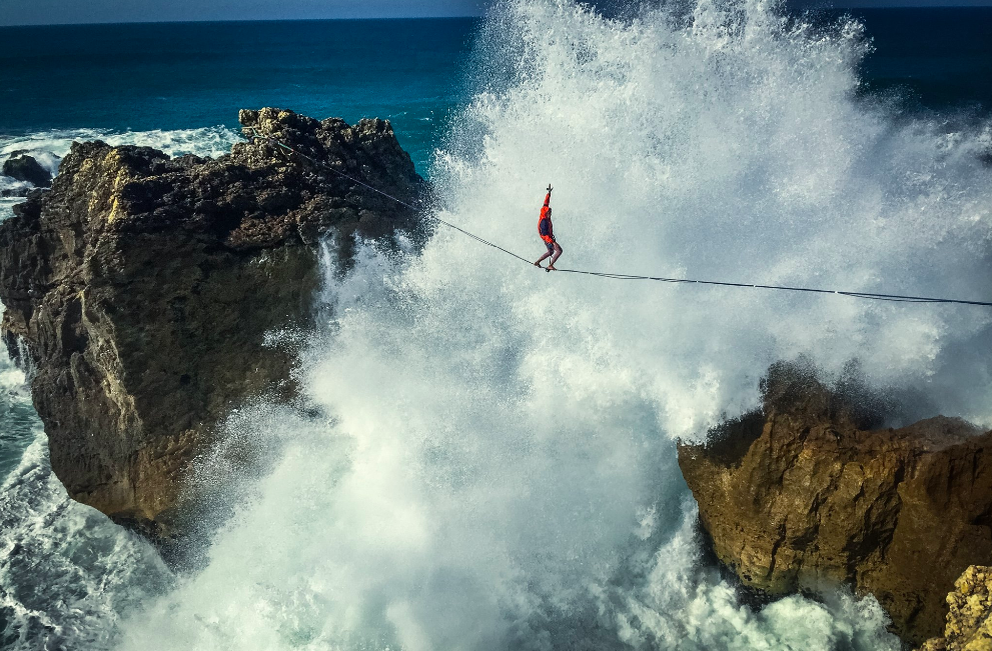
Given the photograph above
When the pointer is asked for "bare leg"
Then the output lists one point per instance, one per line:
(554, 258)
(542, 259)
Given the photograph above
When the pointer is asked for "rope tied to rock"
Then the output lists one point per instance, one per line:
(621, 276)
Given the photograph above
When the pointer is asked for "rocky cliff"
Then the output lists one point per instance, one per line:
(142, 289)
(804, 494)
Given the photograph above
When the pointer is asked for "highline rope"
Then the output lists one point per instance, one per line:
(620, 276)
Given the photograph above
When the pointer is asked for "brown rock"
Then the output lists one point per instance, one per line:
(143, 289)
(803, 495)
(969, 627)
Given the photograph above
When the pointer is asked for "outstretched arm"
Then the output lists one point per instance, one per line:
(547, 197)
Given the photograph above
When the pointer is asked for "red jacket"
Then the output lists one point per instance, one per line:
(544, 227)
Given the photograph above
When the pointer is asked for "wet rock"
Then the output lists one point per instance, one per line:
(969, 626)
(805, 494)
(26, 168)
(142, 288)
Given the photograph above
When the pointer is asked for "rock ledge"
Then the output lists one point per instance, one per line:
(805, 494)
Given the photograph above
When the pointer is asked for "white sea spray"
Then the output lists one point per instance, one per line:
(67, 574)
(495, 466)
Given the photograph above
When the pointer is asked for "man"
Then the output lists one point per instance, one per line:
(546, 231)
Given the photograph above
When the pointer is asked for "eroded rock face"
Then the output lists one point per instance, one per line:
(142, 289)
(969, 627)
(803, 495)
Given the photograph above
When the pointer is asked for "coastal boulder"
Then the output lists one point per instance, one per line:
(26, 168)
(808, 493)
(143, 292)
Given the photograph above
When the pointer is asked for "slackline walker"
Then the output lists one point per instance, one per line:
(621, 276)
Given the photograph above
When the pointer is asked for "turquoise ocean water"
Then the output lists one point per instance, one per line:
(193, 75)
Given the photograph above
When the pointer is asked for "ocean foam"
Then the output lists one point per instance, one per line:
(493, 466)
(496, 468)
(68, 574)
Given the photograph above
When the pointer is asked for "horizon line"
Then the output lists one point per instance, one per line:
(242, 20)
(825, 6)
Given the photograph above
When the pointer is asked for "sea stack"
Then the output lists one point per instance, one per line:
(808, 493)
(140, 291)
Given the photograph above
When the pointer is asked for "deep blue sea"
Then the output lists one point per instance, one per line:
(171, 76)
(500, 471)
(935, 58)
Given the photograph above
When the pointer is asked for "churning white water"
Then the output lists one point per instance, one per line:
(494, 463)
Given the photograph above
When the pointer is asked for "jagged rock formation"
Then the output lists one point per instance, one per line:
(969, 627)
(803, 495)
(26, 168)
(142, 288)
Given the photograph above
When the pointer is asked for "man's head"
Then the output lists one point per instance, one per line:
(549, 213)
